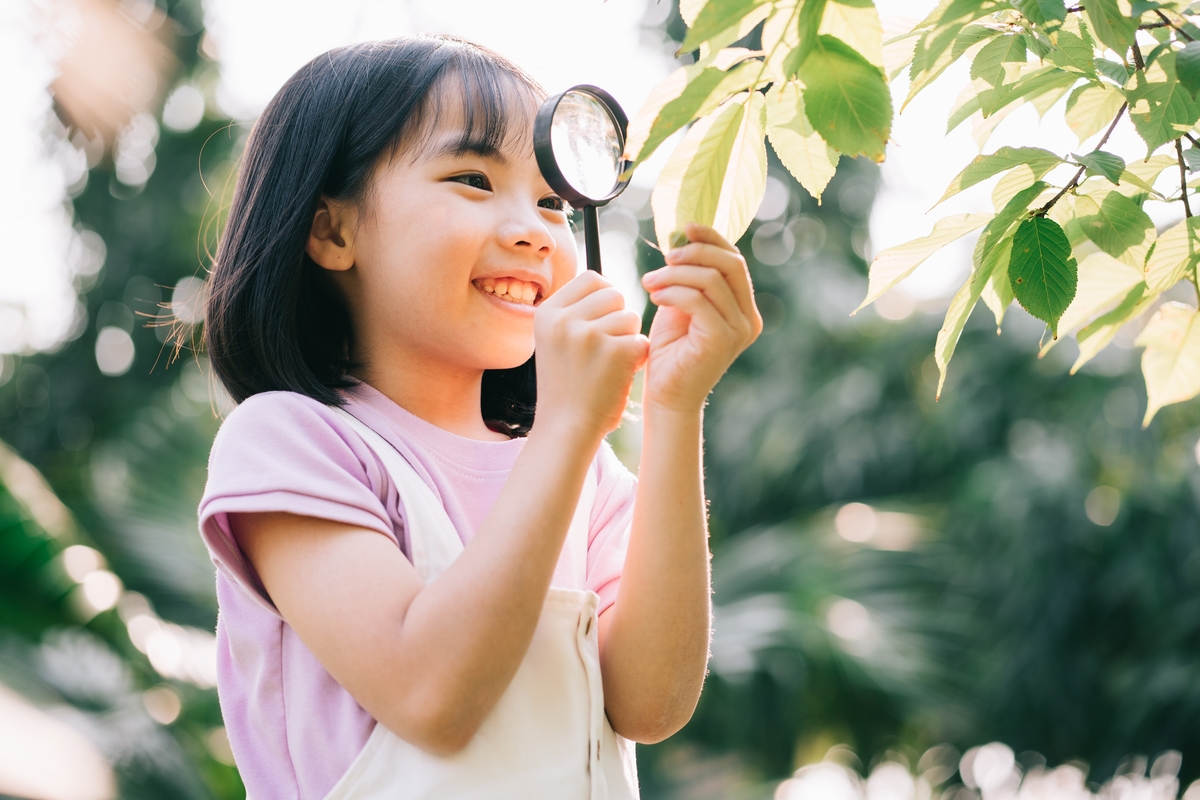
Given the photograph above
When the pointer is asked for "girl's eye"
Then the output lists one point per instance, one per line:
(475, 179)
(554, 203)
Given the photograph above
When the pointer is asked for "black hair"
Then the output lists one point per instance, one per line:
(274, 320)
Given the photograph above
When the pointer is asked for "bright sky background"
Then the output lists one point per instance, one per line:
(561, 42)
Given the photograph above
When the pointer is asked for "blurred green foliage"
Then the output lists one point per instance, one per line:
(985, 604)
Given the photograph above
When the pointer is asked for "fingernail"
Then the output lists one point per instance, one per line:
(675, 253)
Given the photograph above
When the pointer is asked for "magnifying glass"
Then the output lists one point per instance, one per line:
(579, 139)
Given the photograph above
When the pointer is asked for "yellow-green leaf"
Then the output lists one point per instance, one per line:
(1091, 108)
(1112, 23)
(896, 263)
(1098, 334)
(981, 168)
(717, 174)
(1171, 361)
(858, 25)
(964, 302)
(1175, 253)
(1161, 109)
(1103, 281)
(1115, 223)
(715, 17)
(800, 148)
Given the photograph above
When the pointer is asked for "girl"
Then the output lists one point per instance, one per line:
(424, 590)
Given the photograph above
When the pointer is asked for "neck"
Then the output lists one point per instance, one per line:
(440, 394)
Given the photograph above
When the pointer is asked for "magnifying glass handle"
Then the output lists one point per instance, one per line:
(591, 237)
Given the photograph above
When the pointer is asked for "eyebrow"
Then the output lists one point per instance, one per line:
(460, 146)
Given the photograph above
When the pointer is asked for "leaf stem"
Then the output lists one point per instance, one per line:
(1183, 188)
(771, 55)
(1071, 184)
(1178, 29)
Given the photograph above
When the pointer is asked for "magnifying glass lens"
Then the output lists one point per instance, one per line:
(587, 144)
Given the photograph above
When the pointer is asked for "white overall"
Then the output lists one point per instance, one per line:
(548, 736)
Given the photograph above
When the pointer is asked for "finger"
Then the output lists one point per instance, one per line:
(708, 235)
(730, 263)
(619, 323)
(693, 303)
(579, 287)
(707, 279)
(604, 300)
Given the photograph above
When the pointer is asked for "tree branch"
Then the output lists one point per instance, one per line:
(1137, 57)
(1071, 184)
(1183, 187)
(1178, 29)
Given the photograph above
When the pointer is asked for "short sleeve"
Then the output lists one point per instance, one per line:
(612, 517)
(285, 452)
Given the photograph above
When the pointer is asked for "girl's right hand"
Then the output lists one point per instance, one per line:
(589, 347)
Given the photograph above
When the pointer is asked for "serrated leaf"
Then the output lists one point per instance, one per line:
(896, 263)
(1099, 162)
(1039, 161)
(1187, 67)
(685, 94)
(1115, 223)
(1072, 52)
(1112, 27)
(1042, 271)
(717, 174)
(711, 49)
(1103, 281)
(989, 63)
(992, 251)
(858, 25)
(1176, 252)
(1160, 108)
(965, 300)
(800, 148)
(1115, 71)
(688, 9)
(847, 99)
(1098, 334)
(955, 16)
(1091, 108)
(1031, 83)
(1191, 157)
(921, 74)
(716, 16)
(1041, 12)
(1171, 361)
(780, 37)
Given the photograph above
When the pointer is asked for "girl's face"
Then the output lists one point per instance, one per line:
(454, 251)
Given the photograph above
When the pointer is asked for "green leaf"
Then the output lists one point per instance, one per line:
(1176, 252)
(1041, 12)
(809, 25)
(717, 174)
(1114, 29)
(1091, 108)
(896, 263)
(1115, 224)
(1161, 109)
(715, 17)
(921, 74)
(799, 147)
(1191, 157)
(981, 168)
(1115, 71)
(1074, 53)
(847, 99)
(1187, 66)
(992, 252)
(1042, 272)
(1032, 83)
(1099, 162)
(989, 63)
(956, 15)
(1171, 361)
(1096, 336)
(688, 9)
(698, 93)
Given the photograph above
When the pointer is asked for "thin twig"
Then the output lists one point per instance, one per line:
(1183, 187)
(1137, 57)
(1074, 9)
(1071, 184)
(1150, 26)
(1178, 29)
(1192, 139)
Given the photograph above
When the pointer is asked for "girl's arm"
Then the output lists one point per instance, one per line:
(654, 639)
(431, 661)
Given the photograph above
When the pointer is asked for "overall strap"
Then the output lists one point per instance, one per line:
(432, 538)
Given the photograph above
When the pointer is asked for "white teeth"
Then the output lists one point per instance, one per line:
(509, 289)
(489, 289)
(501, 287)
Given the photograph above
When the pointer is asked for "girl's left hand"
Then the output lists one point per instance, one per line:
(706, 318)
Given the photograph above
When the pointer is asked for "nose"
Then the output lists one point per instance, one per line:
(526, 232)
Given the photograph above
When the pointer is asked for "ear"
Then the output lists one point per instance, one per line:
(331, 239)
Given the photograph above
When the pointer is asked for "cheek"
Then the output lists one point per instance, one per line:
(565, 262)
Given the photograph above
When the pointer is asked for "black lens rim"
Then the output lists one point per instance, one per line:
(543, 148)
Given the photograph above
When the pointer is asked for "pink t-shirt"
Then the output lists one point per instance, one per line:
(293, 728)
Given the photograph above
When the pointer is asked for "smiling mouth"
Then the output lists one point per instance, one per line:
(511, 290)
